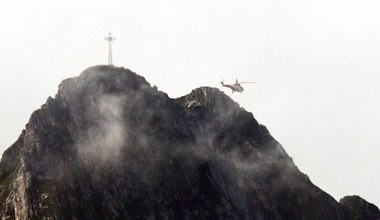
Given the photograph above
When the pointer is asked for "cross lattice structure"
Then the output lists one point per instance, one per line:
(110, 39)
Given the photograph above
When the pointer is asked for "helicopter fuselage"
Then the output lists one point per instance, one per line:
(234, 87)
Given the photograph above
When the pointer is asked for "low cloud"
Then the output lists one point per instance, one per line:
(106, 136)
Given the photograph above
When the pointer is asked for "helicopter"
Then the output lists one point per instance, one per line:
(235, 87)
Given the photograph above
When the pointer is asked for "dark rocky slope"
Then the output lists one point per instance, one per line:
(360, 209)
(109, 146)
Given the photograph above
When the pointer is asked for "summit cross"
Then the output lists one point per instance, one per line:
(110, 39)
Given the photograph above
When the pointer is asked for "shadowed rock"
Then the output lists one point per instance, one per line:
(360, 209)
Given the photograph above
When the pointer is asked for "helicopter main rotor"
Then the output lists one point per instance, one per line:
(246, 82)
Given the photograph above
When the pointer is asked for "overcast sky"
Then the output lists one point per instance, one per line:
(316, 64)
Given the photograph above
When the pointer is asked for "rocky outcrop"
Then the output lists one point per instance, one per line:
(360, 209)
(110, 146)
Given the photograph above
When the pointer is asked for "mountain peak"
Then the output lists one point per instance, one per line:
(109, 146)
(203, 96)
(102, 79)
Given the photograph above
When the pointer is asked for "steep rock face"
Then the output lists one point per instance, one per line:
(109, 146)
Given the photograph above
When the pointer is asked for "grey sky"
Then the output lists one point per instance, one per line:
(316, 64)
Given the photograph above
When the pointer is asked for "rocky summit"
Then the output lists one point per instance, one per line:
(111, 146)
